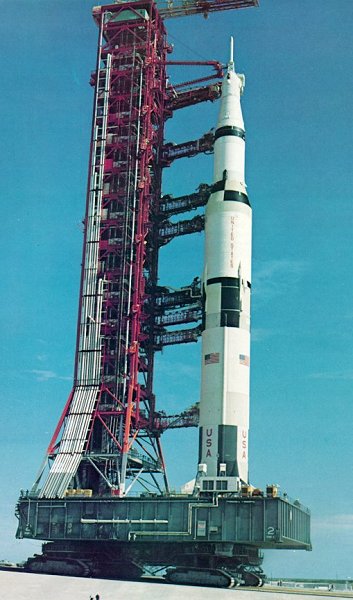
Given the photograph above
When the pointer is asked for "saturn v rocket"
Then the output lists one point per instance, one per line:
(224, 403)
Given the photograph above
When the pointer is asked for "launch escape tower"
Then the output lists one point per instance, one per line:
(107, 441)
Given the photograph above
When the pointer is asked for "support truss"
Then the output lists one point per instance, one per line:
(105, 441)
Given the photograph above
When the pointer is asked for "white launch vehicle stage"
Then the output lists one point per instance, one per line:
(224, 404)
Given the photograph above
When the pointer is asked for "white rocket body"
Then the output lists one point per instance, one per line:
(224, 404)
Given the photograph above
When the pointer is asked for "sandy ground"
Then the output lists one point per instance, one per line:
(26, 586)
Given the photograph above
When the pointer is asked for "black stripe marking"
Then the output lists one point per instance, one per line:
(230, 194)
(203, 323)
(229, 130)
(236, 197)
(230, 318)
(230, 303)
(230, 298)
(227, 448)
(218, 186)
(228, 281)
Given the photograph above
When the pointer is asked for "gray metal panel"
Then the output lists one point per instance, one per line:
(264, 522)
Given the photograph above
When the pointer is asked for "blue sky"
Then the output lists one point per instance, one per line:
(297, 58)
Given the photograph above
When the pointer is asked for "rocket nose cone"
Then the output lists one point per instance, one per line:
(232, 83)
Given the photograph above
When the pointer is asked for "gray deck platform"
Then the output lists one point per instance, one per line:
(264, 522)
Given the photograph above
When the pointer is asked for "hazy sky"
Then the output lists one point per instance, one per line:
(297, 56)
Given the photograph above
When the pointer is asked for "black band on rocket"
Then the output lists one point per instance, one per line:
(226, 281)
(236, 197)
(229, 281)
(229, 130)
(231, 195)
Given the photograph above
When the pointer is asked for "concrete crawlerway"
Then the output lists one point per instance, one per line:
(26, 586)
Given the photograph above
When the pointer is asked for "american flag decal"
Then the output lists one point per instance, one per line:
(211, 359)
(244, 360)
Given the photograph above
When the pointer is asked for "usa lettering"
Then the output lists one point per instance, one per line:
(244, 443)
(209, 433)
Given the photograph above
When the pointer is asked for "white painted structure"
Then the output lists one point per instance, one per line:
(224, 404)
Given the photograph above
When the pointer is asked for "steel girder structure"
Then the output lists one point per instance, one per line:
(104, 438)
